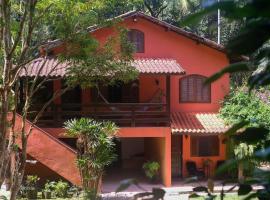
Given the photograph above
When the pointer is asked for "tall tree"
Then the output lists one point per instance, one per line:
(25, 27)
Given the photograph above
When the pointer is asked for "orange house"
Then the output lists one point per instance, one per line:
(167, 114)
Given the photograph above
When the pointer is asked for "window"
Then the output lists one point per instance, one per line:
(136, 37)
(192, 89)
(204, 146)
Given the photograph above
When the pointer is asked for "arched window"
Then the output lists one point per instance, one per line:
(136, 37)
(192, 89)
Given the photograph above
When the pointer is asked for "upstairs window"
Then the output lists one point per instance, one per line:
(136, 37)
(193, 89)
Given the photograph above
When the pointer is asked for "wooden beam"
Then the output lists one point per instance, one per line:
(168, 93)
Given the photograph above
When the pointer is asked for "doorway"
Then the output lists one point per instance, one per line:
(176, 153)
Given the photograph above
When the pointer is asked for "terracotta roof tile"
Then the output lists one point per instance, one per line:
(43, 67)
(156, 66)
(197, 123)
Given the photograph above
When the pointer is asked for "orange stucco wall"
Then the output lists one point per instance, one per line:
(193, 57)
(199, 160)
(160, 140)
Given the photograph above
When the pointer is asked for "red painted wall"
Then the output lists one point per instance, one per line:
(193, 57)
(200, 160)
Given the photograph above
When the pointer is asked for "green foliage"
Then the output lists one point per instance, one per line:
(151, 169)
(241, 105)
(49, 186)
(243, 108)
(61, 189)
(95, 150)
(31, 181)
(101, 65)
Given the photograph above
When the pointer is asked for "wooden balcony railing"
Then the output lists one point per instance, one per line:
(123, 114)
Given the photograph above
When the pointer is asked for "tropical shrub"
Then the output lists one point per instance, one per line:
(241, 105)
(95, 150)
(244, 105)
(31, 186)
(49, 188)
(151, 169)
(61, 189)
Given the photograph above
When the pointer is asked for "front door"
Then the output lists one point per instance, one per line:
(176, 155)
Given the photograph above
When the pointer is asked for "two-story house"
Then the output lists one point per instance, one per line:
(167, 114)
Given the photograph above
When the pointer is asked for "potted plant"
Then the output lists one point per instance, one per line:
(31, 186)
(48, 188)
(151, 170)
(61, 189)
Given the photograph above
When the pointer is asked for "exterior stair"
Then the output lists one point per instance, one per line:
(51, 152)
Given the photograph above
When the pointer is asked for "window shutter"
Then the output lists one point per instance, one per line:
(192, 89)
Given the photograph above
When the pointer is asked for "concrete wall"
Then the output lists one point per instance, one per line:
(131, 147)
(155, 151)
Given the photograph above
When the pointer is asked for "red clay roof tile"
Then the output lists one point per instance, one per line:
(43, 67)
(197, 123)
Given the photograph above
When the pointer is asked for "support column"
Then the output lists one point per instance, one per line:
(57, 87)
(168, 168)
(86, 99)
(168, 93)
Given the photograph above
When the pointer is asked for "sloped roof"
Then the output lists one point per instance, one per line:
(168, 26)
(197, 123)
(52, 67)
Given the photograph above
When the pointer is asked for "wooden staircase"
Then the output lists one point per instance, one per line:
(51, 152)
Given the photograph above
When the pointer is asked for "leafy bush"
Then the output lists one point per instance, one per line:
(31, 181)
(95, 150)
(61, 189)
(49, 186)
(151, 169)
(241, 105)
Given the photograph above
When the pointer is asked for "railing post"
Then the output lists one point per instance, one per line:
(168, 97)
(133, 117)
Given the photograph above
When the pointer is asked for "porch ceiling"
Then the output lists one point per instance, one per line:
(52, 66)
(197, 124)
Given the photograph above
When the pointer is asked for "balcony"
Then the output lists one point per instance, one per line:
(123, 114)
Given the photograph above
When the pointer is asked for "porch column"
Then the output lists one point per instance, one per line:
(86, 96)
(86, 99)
(168, 93)
(57, 87)
(167, 181)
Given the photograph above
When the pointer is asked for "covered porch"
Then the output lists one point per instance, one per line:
(201, 147)
(135, 146)
(144, 102)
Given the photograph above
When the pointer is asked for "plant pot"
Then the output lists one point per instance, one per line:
(32, 194)
(47, 195)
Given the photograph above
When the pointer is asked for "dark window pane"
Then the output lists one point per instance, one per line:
(136, 37)
(204, 146)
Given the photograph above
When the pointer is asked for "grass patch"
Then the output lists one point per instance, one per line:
(227, 197)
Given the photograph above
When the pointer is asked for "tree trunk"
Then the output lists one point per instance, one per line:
(241, 172)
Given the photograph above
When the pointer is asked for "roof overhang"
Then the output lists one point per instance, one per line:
(55, 68)
(197, 124)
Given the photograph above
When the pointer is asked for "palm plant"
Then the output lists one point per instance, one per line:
(95, 150)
